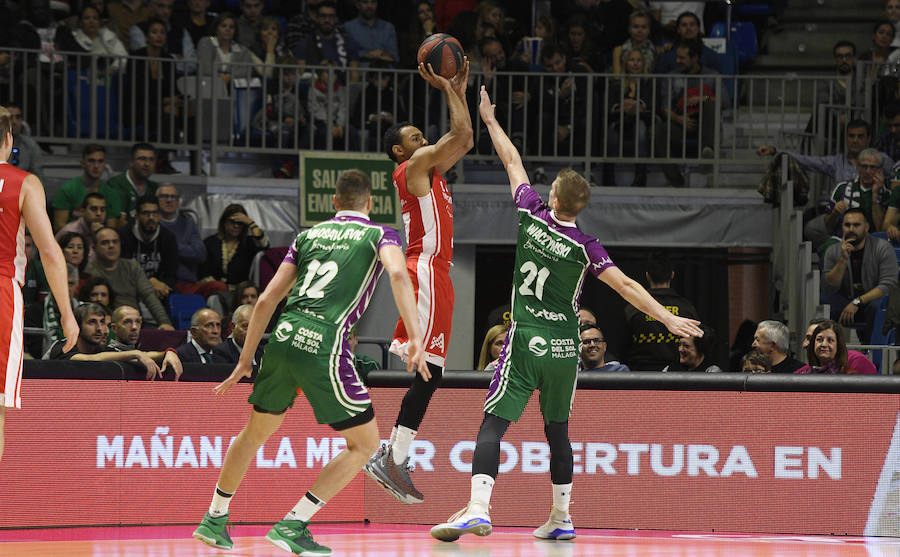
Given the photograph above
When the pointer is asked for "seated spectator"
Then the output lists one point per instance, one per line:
(269, 39)
(585, 315)
(630, 116)
(246, 293)
(154, 248)
(491, 347)
(328, 42)
(652, 346)
(283, 115)
(124, 14)
(50, 321)
(422, 26)
(509, 91)
(882, 44)
(157, 104)
(889, 143)
(92, 219)
(179, 43)
(670, 14)
(375, 109)
(857, 272)
(687, 108)
(492, 22)
(328, 97)
(249, 23)
(867, 192)
(772, 339)
(687, 29)
(375, 37)
(198, 22)
(696, 353)
(230, 251)
(228, 351)
(593, 351)
(639, 33)
(68, 199)
(836, 94)
(91, 346)
(362, 363)
(220, 55)
(756, 361)
(75, 248)
(561, 135)
(90, 38)
(26, 154)
(130, 285)
(125, 328)
(206, 334)
(135, 182)
(97, 290)
(826, 352)
(303, 25)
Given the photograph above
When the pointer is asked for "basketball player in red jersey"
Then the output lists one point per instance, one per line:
(428, 222)
(22, 204)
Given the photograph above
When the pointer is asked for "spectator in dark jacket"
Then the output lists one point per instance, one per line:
(153, 247)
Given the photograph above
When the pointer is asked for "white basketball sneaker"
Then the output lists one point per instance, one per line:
(473, 519)
(558, 527)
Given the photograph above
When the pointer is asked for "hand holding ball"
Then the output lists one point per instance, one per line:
(443, 53)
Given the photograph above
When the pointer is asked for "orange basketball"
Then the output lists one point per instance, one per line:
(443, 52)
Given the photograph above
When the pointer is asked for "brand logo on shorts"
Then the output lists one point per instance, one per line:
(437, 342)
(538, 346)
(283, 332)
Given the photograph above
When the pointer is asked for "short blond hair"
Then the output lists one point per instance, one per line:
(572, 192)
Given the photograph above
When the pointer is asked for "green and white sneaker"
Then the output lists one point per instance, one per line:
(214, 532)
(294, 536)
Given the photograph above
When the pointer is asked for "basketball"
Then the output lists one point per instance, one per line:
(443, 52)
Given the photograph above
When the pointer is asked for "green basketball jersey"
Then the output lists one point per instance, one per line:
(337, 267)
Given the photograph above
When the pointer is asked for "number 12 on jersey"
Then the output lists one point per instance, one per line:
(327, 271)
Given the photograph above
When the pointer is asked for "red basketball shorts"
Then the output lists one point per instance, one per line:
(434, 304)
(12, 324)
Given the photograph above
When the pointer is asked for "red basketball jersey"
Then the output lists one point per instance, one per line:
(12, 225)
(428, 220)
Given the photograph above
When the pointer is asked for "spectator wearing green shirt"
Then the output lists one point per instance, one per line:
(135, 182)
(67, 203)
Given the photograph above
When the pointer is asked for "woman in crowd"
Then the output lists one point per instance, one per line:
(420, 28)
(217, 54)
(74, 248)
(152, 85)
(639, 39)
(490, 348)
(579, 47)
(91, 38)
(230, 251)
(826, 352)
(883, 34)
(696, 353)
(245, 293)
(97, 290)
(629, 115)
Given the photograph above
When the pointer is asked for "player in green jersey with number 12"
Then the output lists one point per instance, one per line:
(329, 275)
(553, 258)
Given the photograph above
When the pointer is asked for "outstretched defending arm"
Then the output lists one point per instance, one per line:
(636, 295)
(454, 144)
(507, 152)
(395, 264)
(33, 206)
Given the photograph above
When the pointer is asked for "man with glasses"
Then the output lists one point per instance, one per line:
(593, 351)
(135, 182)
(867, 191)
(327, 42)
(153, 247)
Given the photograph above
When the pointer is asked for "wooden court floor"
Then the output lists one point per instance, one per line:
(383, 540)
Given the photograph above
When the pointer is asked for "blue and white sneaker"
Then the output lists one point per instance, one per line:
(473, 519)
(558, 527)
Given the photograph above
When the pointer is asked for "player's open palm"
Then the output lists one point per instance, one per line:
(242, 369)
(684, 327)
(485, 108)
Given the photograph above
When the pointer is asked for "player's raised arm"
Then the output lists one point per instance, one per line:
(637, 296)
(456, 142)
(507, 152)
(34, 210)
(275, 291)
(395, 264)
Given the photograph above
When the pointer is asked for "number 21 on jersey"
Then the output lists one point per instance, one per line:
(531, 272)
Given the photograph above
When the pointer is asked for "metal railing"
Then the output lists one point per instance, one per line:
(581, 120)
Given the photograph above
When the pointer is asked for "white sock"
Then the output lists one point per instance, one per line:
(482, 485)
(306, 507)
(561, 495)
(219, 505)
(400, 446)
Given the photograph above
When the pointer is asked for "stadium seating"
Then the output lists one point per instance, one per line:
(182, 307)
